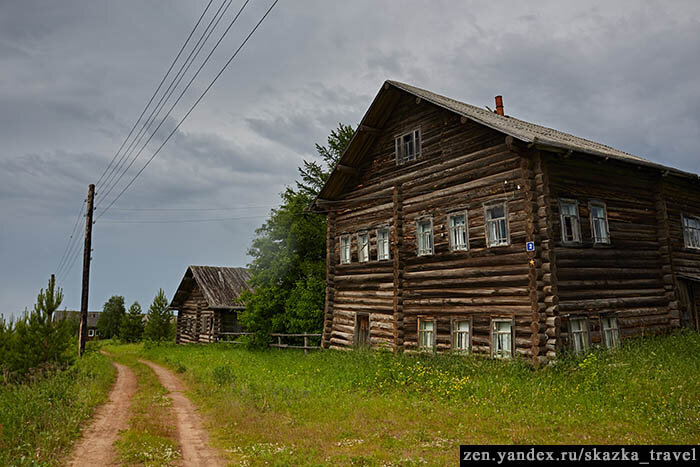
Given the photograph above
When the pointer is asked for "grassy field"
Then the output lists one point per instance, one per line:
(150, 439)
(39, 421)
(366, 408)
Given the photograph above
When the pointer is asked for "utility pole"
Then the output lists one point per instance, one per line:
(87, 256)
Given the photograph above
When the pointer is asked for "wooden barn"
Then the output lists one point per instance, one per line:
(207, 303)
(455, 228)
(93, 318)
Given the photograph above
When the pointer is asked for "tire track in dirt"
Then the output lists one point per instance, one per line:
(192, 438)
(96, 445)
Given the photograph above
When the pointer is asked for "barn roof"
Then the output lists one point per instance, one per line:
(221, 286)
(378, 112)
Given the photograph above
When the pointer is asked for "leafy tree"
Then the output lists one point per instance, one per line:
(159, 324)
(111, 317)
(131, 328)
(288, 268)
(315, 174)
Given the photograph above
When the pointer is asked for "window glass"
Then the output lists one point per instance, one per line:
(458, 232)
(570, 226)
(611, 335)
(426, 334)
(461, 335)
(496, 225)
(599, 224)
(363, 247)
(383, 244)
(345, 249)
(502, 339)
(579, 334)
(425, 237)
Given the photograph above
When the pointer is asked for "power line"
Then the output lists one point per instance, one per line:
(184, 67)
(75, 226)
(228, 62)
(194, 209)
(172, 89)
(179, 221)
(156, 91)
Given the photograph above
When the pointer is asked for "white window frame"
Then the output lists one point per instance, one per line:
(419, 237)
(689, 240)
(487, 223)
(363, 251)
(415, 139)
(345, 251)
(452, 234)
(91, 333)
(610, 332)
(579, 334)
(575, 222)
(432, 339)
(500, 353)
(460, 336)
(383, 243)
(599, 204)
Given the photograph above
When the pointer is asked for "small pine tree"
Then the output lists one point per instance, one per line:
(158, 325)
(131, 329)
(111, 317)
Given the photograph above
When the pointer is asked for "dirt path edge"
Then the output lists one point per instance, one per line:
(96, 446)
(192, 437)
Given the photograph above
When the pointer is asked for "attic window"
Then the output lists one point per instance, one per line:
(691, 232)
(407, 147)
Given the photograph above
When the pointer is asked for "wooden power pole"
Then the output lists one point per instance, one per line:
(87, 256)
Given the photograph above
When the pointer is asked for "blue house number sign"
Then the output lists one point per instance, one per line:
(530, 246)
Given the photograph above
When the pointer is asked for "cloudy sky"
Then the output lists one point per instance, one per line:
(75, 75)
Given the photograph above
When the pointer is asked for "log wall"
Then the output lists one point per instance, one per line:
(682, 197)
(194, 318)
(624, 278)
(462, 166)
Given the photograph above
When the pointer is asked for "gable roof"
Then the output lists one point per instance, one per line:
(92, 318)
(221, 286)
(521, 130)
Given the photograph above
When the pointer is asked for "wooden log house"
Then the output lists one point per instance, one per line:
(454, 228)
(207, 303)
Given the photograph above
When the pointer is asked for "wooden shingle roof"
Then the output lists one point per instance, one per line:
(537, 135)
(221, 286)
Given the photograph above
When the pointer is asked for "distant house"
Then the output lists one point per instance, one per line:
(207, 303)
(93, 317)
(454, 228)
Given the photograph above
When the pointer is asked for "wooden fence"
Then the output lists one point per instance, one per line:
(232, 337)
(306, 346)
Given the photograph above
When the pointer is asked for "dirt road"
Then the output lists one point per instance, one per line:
(95, 448)
(193, 439)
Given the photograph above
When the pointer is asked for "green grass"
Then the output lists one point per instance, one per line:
(150, 439)
(367, 408)
(39, 421)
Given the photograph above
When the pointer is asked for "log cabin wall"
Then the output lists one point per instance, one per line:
(462, 166)
(682, 197)
(193, 319)
(625, 277)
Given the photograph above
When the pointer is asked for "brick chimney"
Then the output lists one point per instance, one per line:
(499, 105)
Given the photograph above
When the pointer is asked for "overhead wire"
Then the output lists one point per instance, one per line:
(70, 238)
(113, 178)
(199, 99)
(155, 93)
